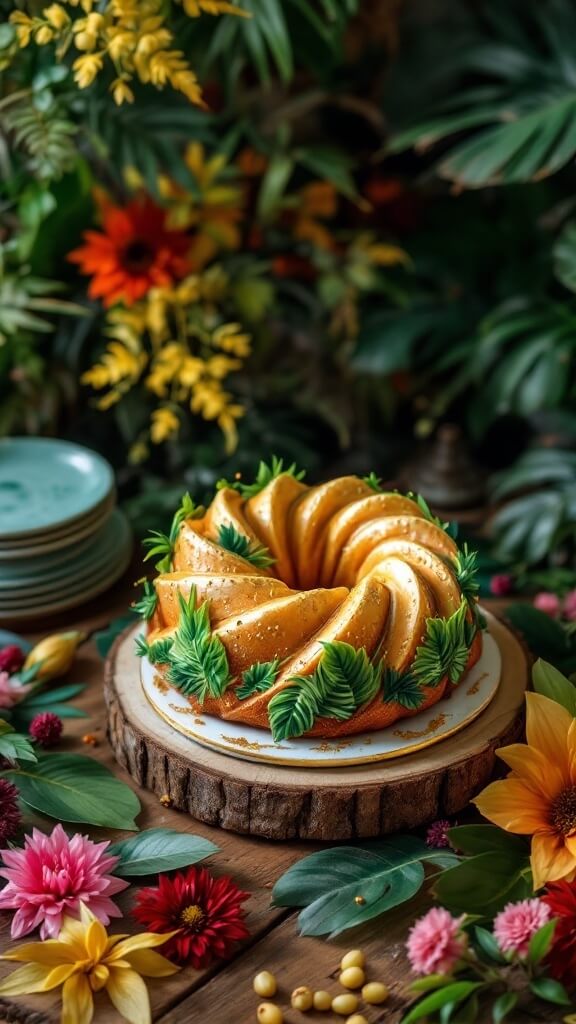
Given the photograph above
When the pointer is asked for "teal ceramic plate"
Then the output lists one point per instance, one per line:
(65, 539)
(66, 600)
(58, 565)
(110, 545)
(45, 483)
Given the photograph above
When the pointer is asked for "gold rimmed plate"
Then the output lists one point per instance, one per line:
(467, 701)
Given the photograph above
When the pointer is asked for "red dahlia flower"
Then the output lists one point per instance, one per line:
(560, 897)
(135, 252)
(207, 910)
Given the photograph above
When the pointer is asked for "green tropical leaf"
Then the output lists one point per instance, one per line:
(14, 746)
(402, 688)
(71, 787)
(386, 874)
(258, 678)
(453, 994)
(266, 473)
(474, 839)
(565, 256)
(158, 850)
(551, 991)
(198, 664)
(551, 683)
(230, 539)
(483, 884)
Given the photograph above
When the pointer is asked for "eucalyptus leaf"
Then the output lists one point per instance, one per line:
(71, 787)
(158, 850)
(326, 883)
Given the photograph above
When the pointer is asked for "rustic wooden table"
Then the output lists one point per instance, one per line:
(222, 994)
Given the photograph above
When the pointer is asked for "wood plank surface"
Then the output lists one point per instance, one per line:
(221, 994)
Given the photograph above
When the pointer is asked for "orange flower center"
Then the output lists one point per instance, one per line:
(563, 811)
(193, 917)
(137, 257)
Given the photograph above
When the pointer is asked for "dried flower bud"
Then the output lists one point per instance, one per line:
(55, 654)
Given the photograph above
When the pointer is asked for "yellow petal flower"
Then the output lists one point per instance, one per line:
(50, 952)
(54, 654)
(146, 940)
(77, 1002)
(25, 980)
(129, 995)
(151, 964)
(538, 798)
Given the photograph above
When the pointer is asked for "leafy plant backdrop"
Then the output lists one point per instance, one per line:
(392, 208)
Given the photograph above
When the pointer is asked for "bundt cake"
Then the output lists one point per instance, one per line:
(318, 611)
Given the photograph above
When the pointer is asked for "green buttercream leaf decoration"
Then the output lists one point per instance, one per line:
(465, 566)
(445, 649)
(450, 528)
(230, 539)
(401, 688)
(258, 678)
(266, 473)
(159, 543)
(197, 658)
(146, 605)
(375, 482)
(158, 653)
(352, 666)
(343, 680)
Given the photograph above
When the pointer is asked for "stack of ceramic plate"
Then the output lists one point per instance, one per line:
(62, 540)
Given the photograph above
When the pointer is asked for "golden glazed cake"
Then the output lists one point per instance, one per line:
(319, 611)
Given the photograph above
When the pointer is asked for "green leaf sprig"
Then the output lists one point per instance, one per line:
(162, 544)
(258, 678)
(15, 746)
(230, 539)
(465, 566)
(146, 605)
(197, 659)
(158, 652)
(374, 481)
(157, 850)
(344, 679)
(266, 473)
(402, 688)
(445, 649)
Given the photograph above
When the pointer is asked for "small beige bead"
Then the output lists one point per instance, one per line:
(264, 984)
(352, 977)
(355, 958)
(357, 1018)
(268, 1013)
(345, 1004)
(322, 1000)
(375, 992)
(302, 999)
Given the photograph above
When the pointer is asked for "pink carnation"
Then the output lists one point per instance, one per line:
(548, 603)
(49, 878)
(435, 942)
(569, 606)
(516, 924)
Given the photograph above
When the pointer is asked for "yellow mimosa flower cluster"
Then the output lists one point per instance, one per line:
(174, 339)
(133, 35)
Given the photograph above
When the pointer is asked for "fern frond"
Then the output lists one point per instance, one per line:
(258, 678)
(445, 649)
(198, 660)
(266, 473)
(146, 605)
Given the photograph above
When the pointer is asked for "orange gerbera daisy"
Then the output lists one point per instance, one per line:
(538, 798)
(134, 253)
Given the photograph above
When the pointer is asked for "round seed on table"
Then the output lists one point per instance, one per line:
(345, 1004)
(264, 984)
(268, 1013)
(322, 1000)
(375, 992)
(302, 998)
(352, 977)
(357, 1018)
(355, 958)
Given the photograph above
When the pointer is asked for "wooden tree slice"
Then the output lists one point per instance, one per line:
(260, 799)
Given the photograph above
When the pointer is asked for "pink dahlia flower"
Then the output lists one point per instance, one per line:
(516, 924)
(51, 875)
(548, 603)
(436, 942)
